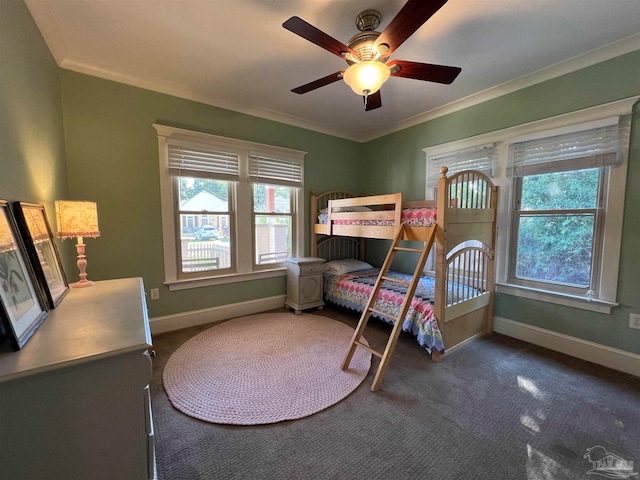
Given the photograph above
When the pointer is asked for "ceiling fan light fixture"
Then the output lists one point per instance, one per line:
(366, 78)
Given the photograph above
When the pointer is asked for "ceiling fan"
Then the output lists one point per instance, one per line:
(368, 52)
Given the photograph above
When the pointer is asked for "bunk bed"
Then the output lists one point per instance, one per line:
(453, 306)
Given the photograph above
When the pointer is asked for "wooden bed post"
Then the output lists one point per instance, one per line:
(491, 274)
(440, 300)
(313, 213)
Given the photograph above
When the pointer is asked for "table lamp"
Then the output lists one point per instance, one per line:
(78, 219)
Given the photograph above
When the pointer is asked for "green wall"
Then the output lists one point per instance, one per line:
(32, 166)
(396, 162)
(59, 127)
(112, 159)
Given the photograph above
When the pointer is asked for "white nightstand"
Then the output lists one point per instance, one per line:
(304, 283)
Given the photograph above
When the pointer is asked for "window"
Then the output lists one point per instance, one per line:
(560, 195)
(204, 238)
(273, 181)
(556, 229)
(593, 219)
(230, 209)
(272, 220)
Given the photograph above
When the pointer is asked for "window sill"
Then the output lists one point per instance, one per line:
(593, 305)
(175, 285)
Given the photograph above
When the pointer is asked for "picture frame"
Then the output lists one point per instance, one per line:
(22, 308)
(42, 251)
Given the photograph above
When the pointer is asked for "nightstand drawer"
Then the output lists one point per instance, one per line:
(306, 265)
(308, 268)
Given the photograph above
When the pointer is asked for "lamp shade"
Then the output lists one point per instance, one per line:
(366, 78)
(77, 219)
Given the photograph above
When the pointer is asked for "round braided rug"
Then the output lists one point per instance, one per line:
(264, 368)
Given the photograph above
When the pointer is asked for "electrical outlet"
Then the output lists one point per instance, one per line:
(155, 293)
(634, 320)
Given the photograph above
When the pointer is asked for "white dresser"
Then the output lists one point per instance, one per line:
(304, 283)
(74, 402)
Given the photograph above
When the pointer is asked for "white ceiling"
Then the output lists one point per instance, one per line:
(235, 54)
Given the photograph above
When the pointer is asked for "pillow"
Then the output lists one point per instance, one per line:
(348, 265)
(353, 209)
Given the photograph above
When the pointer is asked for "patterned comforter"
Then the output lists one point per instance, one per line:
(353, 290)
(411, 217)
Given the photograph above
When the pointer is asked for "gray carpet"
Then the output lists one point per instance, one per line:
(497, 408)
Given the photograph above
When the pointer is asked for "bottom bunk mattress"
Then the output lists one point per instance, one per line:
(352, 290)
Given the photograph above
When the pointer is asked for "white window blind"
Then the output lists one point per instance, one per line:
(590, 148)
(481, 158)
(274, 171)
(187, 159)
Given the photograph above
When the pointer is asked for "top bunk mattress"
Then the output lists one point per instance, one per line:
(411, 217)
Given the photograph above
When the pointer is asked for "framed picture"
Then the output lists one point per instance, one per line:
(22, 309)
(42, 251)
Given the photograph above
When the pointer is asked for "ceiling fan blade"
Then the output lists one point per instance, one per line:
(314, 35)
(373, 101)
(424, 71)
(411, 17)
(321, 82)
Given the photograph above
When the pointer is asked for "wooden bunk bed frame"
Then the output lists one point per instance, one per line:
(466, 210)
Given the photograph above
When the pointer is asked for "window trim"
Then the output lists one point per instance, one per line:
(244, 266)
(610, 260)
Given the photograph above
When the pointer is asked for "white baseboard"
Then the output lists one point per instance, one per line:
(178, 321)
(626, 362)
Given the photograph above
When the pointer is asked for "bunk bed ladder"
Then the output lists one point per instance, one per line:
(397, 327)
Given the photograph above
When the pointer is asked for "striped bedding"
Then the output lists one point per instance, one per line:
(353, 290)
(412, 217)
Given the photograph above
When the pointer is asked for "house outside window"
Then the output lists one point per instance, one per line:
(231, 209)
(204, 238)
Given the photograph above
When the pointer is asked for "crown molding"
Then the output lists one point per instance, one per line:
(612, 50)
(55, 43)
(180, 91)
(516, 132)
